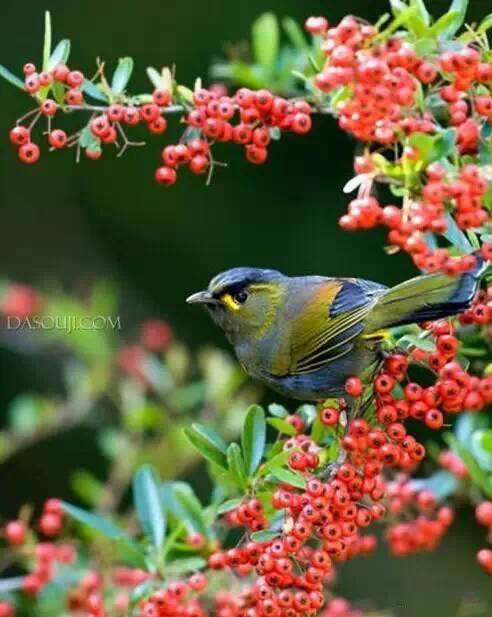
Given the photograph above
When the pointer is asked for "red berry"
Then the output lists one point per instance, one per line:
(484, 558)
(165, 175)
(161, 97)
(57, 138)
(199, 164)
(74, 79)
(29, 153)
(353, 386)
(49, 107)
(19, 135)
(256, 154)
(15, 532)
(29, 68)
(483, 513)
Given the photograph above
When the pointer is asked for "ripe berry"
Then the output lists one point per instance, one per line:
(15, 532)
(49, 107)
(165, 175)
(483, 513)
(353, 386)
(29, 153)
(19, 135)
(74, 79)
(484, 558)
(57, 138)
(256, 154)
(161, 97)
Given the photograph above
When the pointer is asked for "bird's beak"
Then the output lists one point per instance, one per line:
(201, 297)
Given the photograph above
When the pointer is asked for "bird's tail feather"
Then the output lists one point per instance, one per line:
(425, 298)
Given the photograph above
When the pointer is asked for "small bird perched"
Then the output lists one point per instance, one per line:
(304, 336)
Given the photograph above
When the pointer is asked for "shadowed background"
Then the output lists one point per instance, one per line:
(74, 224)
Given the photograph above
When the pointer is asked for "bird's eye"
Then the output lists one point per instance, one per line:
(241, 296)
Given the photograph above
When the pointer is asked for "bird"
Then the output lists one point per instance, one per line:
(304, 336)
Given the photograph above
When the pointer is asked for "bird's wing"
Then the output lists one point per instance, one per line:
(333, 318)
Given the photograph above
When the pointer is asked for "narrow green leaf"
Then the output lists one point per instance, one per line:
(295, 34)
(456, 236)
(47, 40)
(253, 437)
(183, 566)
(60, 54)
(147, 500)
(192, 511)
(227, 506)
(154, 76)
(274, 409)
(282, 426)
(397, 7)
(439, 27)
(122, 75)
(481, 448)
(412, 340)
(441, 484)
(236, 465)
(208, 443)
(92, 90)
(94, 521)
(485, 24)
(266, 535)
(265, 32)
(277, 461)
(286, 476)
(422, 11)
(11, 78)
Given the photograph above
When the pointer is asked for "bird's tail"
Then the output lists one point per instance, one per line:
(425, 298)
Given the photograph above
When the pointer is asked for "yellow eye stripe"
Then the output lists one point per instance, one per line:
(228, 301)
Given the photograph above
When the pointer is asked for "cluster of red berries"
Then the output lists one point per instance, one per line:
(291, 571)
(249, 514)
(104, 128)
(245, 119)
(424, 522)
(383, 80)
(480, 312)
(45, 554)
(178, 598)
(461, 196)
(305, 455)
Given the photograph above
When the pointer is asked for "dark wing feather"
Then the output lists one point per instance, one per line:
(334, 324)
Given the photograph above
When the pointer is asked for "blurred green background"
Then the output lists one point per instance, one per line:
(68, 224)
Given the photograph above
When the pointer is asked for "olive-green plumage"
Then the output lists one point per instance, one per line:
(303, 336)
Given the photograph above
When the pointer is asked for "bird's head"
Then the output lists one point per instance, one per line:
(243, 301)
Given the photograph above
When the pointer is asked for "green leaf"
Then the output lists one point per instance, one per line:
(266, 535)
(286, 476)
(236, 465)
(94, 521)
(265, 32)
(183, 566)
(456, 236)
(467, 424)
(277, 461)
(412, 340)
(295, 34)
(477, 474)
(253, 437)
(122, 75)
(208, 443)
(154, 76)
(422, 11)
(485, 24)
(441, 484)
(481, 448)
(308, 413)
(60, 54)
(230, 504)
(11, 78)
(282, 426)
(91, 89)
(192, 511)
(397, 7)
(444, 144)
(274, 409)
(47, 40)
(449, 23)
(147, 500)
